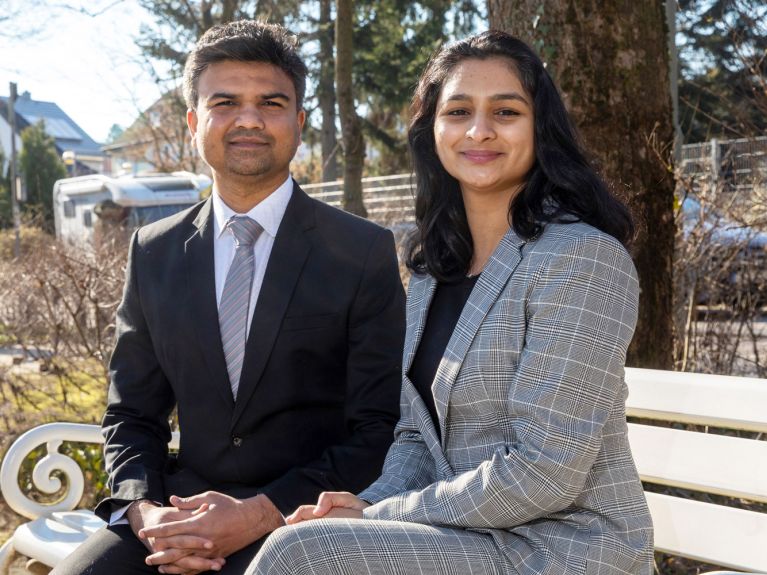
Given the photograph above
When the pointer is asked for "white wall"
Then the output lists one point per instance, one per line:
(5, 142)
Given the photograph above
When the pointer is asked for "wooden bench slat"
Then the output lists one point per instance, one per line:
(717, 400)
(725, 536)
(685, 459)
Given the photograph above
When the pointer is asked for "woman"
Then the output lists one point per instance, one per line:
(511, 454)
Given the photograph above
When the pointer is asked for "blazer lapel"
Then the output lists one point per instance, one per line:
(425, 425)
(290, 250)
(491, 282)
(420, 291)
(201, 280)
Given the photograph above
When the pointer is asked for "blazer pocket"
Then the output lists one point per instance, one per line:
(303, 322)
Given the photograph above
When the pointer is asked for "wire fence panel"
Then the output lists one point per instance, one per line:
(727, 165)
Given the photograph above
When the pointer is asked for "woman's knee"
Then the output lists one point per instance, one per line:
(282, 552)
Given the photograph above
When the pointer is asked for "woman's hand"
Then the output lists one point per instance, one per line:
(331, 504)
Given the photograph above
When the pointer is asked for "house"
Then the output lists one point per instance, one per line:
(69, 137)
(157, 141)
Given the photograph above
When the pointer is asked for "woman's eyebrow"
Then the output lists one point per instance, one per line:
(495, 97)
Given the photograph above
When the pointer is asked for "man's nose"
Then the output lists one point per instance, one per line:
(250, 117)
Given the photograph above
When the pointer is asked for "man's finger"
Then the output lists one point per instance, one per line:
(192, 564)
(189, 542)
(167, 556)
(183, 527)
(187, 503)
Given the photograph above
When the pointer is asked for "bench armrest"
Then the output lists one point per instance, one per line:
(53, 435)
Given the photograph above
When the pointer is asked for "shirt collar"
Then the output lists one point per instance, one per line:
(268, 212)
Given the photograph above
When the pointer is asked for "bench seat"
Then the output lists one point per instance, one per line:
(733, 464)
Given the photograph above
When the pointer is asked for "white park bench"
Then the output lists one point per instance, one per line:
(692, 460)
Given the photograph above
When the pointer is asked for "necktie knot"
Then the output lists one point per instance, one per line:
(245, 230)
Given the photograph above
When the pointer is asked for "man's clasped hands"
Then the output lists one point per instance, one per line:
(195, 533)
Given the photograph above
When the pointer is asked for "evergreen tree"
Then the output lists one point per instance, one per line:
(393, 40)
(6, 213)
(723, 65)
(114, 133)
(40, 167)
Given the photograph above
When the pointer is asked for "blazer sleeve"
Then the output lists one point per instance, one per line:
(581, 313)
(374, 362)
(409, 464)
(140, 400)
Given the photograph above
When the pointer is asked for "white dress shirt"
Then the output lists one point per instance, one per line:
(268, 213)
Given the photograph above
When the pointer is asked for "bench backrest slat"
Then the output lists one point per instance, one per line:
(712, 533)
(716, 400)
(701, 461)
(708, 462)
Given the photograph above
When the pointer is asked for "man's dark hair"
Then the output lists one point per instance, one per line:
(245, 41)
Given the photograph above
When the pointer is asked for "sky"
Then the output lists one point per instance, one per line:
(88, 64)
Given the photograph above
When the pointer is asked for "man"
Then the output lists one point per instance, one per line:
(273, 323)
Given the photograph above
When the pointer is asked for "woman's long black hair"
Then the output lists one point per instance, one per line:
(561, 186)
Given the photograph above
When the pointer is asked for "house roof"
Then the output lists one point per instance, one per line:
(64, 130)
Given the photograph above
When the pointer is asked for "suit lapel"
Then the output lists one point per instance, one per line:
(425, 425)
(420, 291)
(201, 280)
(290, 250)
(494, 277)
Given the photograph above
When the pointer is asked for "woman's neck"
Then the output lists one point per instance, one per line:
(488, 219)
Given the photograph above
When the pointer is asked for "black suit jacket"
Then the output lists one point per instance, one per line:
(318, 395)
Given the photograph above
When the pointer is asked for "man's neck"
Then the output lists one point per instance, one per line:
(246, 192)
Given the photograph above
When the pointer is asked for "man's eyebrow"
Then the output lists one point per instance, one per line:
(268, 96)
(275, 96)
(222, 96)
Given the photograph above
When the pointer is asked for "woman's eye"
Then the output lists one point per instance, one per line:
(457, 112)
(507, 112)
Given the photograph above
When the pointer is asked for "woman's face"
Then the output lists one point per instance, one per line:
(484, 128)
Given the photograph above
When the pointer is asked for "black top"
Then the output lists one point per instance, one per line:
(444, 311)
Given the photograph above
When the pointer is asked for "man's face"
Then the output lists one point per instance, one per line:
(246, 124)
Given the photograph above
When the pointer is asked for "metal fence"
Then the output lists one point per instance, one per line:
(728, 165)
(388, 199)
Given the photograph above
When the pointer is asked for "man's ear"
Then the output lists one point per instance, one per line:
(301, 117)
(191, 121)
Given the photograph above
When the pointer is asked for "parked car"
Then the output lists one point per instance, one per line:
(726, 259)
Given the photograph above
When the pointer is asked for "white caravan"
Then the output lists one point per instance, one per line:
(84, 203)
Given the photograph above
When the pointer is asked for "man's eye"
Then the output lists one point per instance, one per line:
(223, 103)
(272, 103)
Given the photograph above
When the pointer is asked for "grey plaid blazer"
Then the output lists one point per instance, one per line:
(530, 396)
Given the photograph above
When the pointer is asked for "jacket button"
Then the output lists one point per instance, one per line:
(237, 441)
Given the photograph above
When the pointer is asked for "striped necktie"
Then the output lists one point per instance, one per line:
(235, 300)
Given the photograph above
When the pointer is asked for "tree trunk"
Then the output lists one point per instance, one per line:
(354, 146)
(611, 61)
(326, 94)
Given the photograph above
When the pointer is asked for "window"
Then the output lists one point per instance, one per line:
(147, 214)
(87, 219)
(69, 209)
